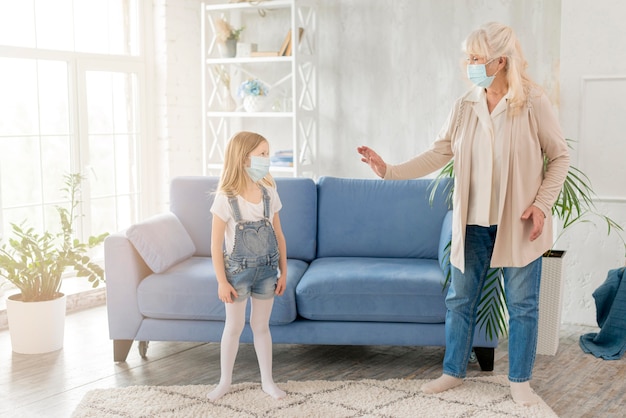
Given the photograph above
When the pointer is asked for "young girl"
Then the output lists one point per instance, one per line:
(245, 219)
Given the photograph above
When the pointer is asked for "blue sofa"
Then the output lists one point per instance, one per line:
(365, 267)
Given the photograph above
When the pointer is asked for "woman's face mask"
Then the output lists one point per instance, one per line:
(477, 74)
(259, 167)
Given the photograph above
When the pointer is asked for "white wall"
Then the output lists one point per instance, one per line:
(177, 93)
(390, 70)
(388, 73)
(593, 87)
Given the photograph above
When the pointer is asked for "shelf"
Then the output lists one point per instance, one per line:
(249, 114)
(275, 4)
(248, 60)
(292, 79)
(281, 169)
(273, 168)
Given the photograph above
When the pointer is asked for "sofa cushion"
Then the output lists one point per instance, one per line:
(298, 217)
(377, 218)
(372, 289)
(161, 241)
(189, 291)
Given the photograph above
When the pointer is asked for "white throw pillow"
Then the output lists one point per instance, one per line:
(162, 241)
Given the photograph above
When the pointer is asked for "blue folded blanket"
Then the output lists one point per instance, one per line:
(610, 297)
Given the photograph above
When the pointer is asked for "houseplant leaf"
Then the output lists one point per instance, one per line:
(35, 262)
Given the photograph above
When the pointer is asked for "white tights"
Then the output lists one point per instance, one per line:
(259, 322)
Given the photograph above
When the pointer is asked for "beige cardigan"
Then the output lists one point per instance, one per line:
(532, 132)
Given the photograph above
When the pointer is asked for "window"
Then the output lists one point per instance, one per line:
(72, 79)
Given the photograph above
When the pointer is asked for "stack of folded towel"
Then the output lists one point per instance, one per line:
(282, 158)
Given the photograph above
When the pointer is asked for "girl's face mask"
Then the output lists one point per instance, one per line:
(259, 167)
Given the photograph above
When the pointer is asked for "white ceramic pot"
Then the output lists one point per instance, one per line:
(36, 327)
(228, 49)
(255, 103)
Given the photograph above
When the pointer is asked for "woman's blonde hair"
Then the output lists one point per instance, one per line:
(494, 40)
(234, 177)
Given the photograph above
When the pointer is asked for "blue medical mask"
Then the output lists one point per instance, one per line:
(259, 167)
(477, 74)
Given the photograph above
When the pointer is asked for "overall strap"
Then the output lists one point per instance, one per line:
(266, 202)
(235, 207)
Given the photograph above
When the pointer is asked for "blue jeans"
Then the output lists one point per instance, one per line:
(521, 286)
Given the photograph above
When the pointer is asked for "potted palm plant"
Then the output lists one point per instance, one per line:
(574, 204)
(34, 263)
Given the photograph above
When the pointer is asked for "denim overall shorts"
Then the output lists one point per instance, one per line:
(252, 267)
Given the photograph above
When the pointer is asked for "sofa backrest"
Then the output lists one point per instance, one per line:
(298, 217)
(376, 218)
(191, 198)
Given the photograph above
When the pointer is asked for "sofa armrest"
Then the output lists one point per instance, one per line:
(445, 240)
(124, 270)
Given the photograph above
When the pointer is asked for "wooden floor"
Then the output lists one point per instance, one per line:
(574, 384)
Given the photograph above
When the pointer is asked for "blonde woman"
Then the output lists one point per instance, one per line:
(498, 134)
(246, 266)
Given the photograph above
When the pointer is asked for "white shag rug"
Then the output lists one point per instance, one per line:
(479, 397)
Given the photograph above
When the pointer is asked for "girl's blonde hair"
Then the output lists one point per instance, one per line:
(494, 40)
(234, 177)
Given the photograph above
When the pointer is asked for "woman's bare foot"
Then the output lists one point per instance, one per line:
(523, 394)
(441, 384)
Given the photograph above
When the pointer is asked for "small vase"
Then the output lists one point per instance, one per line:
(254, 103)
(228, 49)
(227, 102)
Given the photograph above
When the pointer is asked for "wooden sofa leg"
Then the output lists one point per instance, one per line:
(485, 357)
(121, 349)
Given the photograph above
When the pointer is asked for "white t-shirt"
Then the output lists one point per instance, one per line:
(249, 212)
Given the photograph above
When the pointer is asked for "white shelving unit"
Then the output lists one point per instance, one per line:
(290, 119)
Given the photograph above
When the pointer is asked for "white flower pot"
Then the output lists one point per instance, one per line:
(36, 327)
(255, 103)
(228, 49)
(550, 303)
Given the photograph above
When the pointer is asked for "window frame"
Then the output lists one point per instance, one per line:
(78, 64)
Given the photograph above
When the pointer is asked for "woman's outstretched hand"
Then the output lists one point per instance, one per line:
(369, 157)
